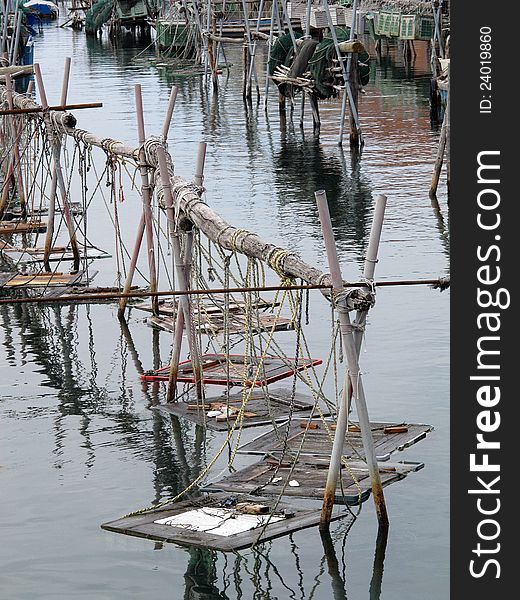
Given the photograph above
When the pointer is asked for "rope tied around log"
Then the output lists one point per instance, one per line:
(276, 260)
(355, 298)
(235, 239)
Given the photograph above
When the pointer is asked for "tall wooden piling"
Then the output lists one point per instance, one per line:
(442, 149)
(57, 180)
(354, 375)
(184, 318)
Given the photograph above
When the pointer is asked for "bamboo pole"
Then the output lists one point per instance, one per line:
(169, 113)
(354, 375)
(57, 181)
(368, 275)
(184, 315)
(269, 47)
(439, 159)
(146, 195)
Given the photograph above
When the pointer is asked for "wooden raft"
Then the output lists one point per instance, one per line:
(38, 280)
(10, 227)
(388, 438)
(236, 324)
(269, 478)
(235, 369)
(144, 525)
(210, 319)
(57, 254)
(263, 408)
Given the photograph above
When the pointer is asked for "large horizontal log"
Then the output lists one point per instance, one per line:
(353, 46)
(15, 71)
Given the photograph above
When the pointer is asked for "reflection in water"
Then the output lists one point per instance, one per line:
(51, 337)
(379, 559)
(337, 582)
(303, 166)
(201, 576)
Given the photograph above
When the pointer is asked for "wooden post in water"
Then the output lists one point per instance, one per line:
(269, 46)
(57, 180)
(184, 314)
(353, 373)
(147, 196)
(141, 227)
(14, 170)
(443, 141)
(346, 66)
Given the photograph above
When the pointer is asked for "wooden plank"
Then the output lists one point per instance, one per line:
(241, 369)
(317, 441)
(215, 325)
(270, 479)
(168, 307)
(144, 525)
(57, 254)
(263, 408)
(11, 228)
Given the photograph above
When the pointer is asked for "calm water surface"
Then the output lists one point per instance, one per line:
(79, 444)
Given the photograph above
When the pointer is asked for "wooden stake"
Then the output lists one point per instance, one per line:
(437, 168)
(169, 113)
(57, 181)
(354, 374)
(147, 196)
(184, 315)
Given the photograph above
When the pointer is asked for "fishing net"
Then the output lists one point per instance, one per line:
(322, 61)
(98, 15)
(282, 51)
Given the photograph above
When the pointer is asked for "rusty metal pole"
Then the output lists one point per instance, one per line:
(354, 375)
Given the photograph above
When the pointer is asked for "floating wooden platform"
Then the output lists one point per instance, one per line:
(12, 227)
(263, 408)
(57, 254)
(38, 280)
(210, 319)
(235, 369)
(269, 478)
(236, 324)
(168, 307)
(224, 524)
(388, 438)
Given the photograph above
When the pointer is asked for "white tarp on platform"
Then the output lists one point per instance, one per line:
(218, 521)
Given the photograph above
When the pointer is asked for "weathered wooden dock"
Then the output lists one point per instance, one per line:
(264, 407)
(307, 479)
(237, 369)
(189, 519)
(311, 438)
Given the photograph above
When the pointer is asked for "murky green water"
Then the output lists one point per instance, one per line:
(79, 444)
